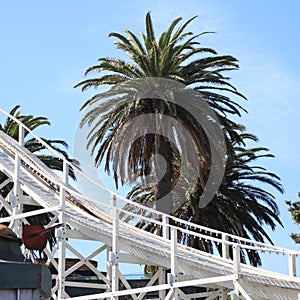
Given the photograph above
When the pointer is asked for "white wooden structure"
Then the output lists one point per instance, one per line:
(104, 222)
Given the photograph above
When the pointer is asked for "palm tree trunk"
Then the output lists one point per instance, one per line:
(164, 174)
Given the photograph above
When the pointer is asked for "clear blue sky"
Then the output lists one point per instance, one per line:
(46, 47)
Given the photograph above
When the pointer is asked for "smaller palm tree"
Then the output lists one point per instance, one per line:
(242, 206)
(294, 209)
(11, 128)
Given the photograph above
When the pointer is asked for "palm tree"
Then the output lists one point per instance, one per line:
(242, 206)
(128, 151)
(170, 56)
(11, 128)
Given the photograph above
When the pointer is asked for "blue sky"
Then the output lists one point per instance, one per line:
(46, 47)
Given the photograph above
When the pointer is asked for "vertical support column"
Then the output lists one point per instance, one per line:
(162, 280)
(16, 204)
(236, 260)
(236, 269)
(223, 294)
(225, 246)
(174, 263)
(292, 264)
(165, 227)
(65, 172)
(108, 268)
(61, 236)
(115, 250)
(162, 270)
(234, 296)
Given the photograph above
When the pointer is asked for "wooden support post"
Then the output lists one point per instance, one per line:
(223, 294)
(292, 265)
(162, 270)
(115, 250)
(17, 206)
(165, 229)
(21, 135)
(61, 236)
(174, 263)
(162, 280)
(236, 260)
(61, 239)
(225, 246)
(234, 296)
(108, 268)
